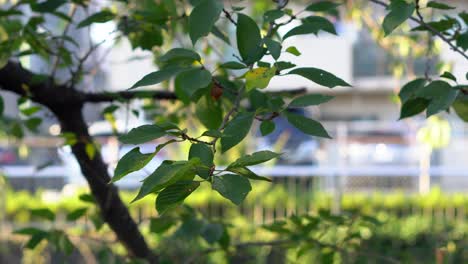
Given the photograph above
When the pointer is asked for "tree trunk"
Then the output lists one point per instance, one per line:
(66, 104)
(113, 211)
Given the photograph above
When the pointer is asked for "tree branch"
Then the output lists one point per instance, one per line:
(61, 100)
(434, 31)
(229, 17)
(157, 95)
(126, 96)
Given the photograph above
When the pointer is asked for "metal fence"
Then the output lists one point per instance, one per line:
(363, 156)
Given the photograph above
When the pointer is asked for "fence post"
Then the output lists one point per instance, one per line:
(424, 167)
(3, 197)
(342, 173)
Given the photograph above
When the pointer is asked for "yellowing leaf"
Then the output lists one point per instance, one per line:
(90, 150)
(259, 77)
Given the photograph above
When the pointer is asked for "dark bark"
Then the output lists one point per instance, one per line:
(65, 103)
(127, 95)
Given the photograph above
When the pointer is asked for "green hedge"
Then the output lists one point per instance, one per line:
(264, 196)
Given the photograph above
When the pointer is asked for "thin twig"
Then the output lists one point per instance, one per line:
(229, 17)
(434, 31)
(62, 42)
(75, 74)
(430, 44)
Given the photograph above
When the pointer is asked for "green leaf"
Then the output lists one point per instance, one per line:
(238, 8)
(439, 5)
(60, 241)
(461, 107)
(203, 17)
(132, 161)
(254, 159)
(272, 15)
(166, 125)
(236, 130)
(441, 96)
(166, 174)
(157, 76)
(310, 99)
(161, 224)
(174, 194)
(293, 50)
(209, 113)
(400, 11)
(267, 127)
(212, 232)
(191, 226)
(48, 6)
(274, 47)
(245, 172)
(65, 17)
(29, 111)
(232, 186)
(37, 235)
(225, 240)
(312, 25)
(33, 123)
(99, 17)
(307, 125)
(64, 244)
(284, 65)
(259, 100)
(110, 109)
(180, 55)
(259, 77)
(43, 213)
(249, 39)
(322, 6)
(97, 221)
(264, 64)
(449, 76)
(464, 16)
(441, 25)
(28, 231)
(35, 240)
(413, 107)
(233, 65)
(212, 133)
(10, 12)
(87, 198)
(219, 34)
(142, 134)
(203, 152)
(462, 40)
(410, 89)
(320, 77)
(206, 156)
(17, 130)
(76, 214)
(188, 82)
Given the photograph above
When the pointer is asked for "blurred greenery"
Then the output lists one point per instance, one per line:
(412, 228)
(264, 195)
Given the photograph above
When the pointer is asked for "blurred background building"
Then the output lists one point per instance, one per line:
(371, 149)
